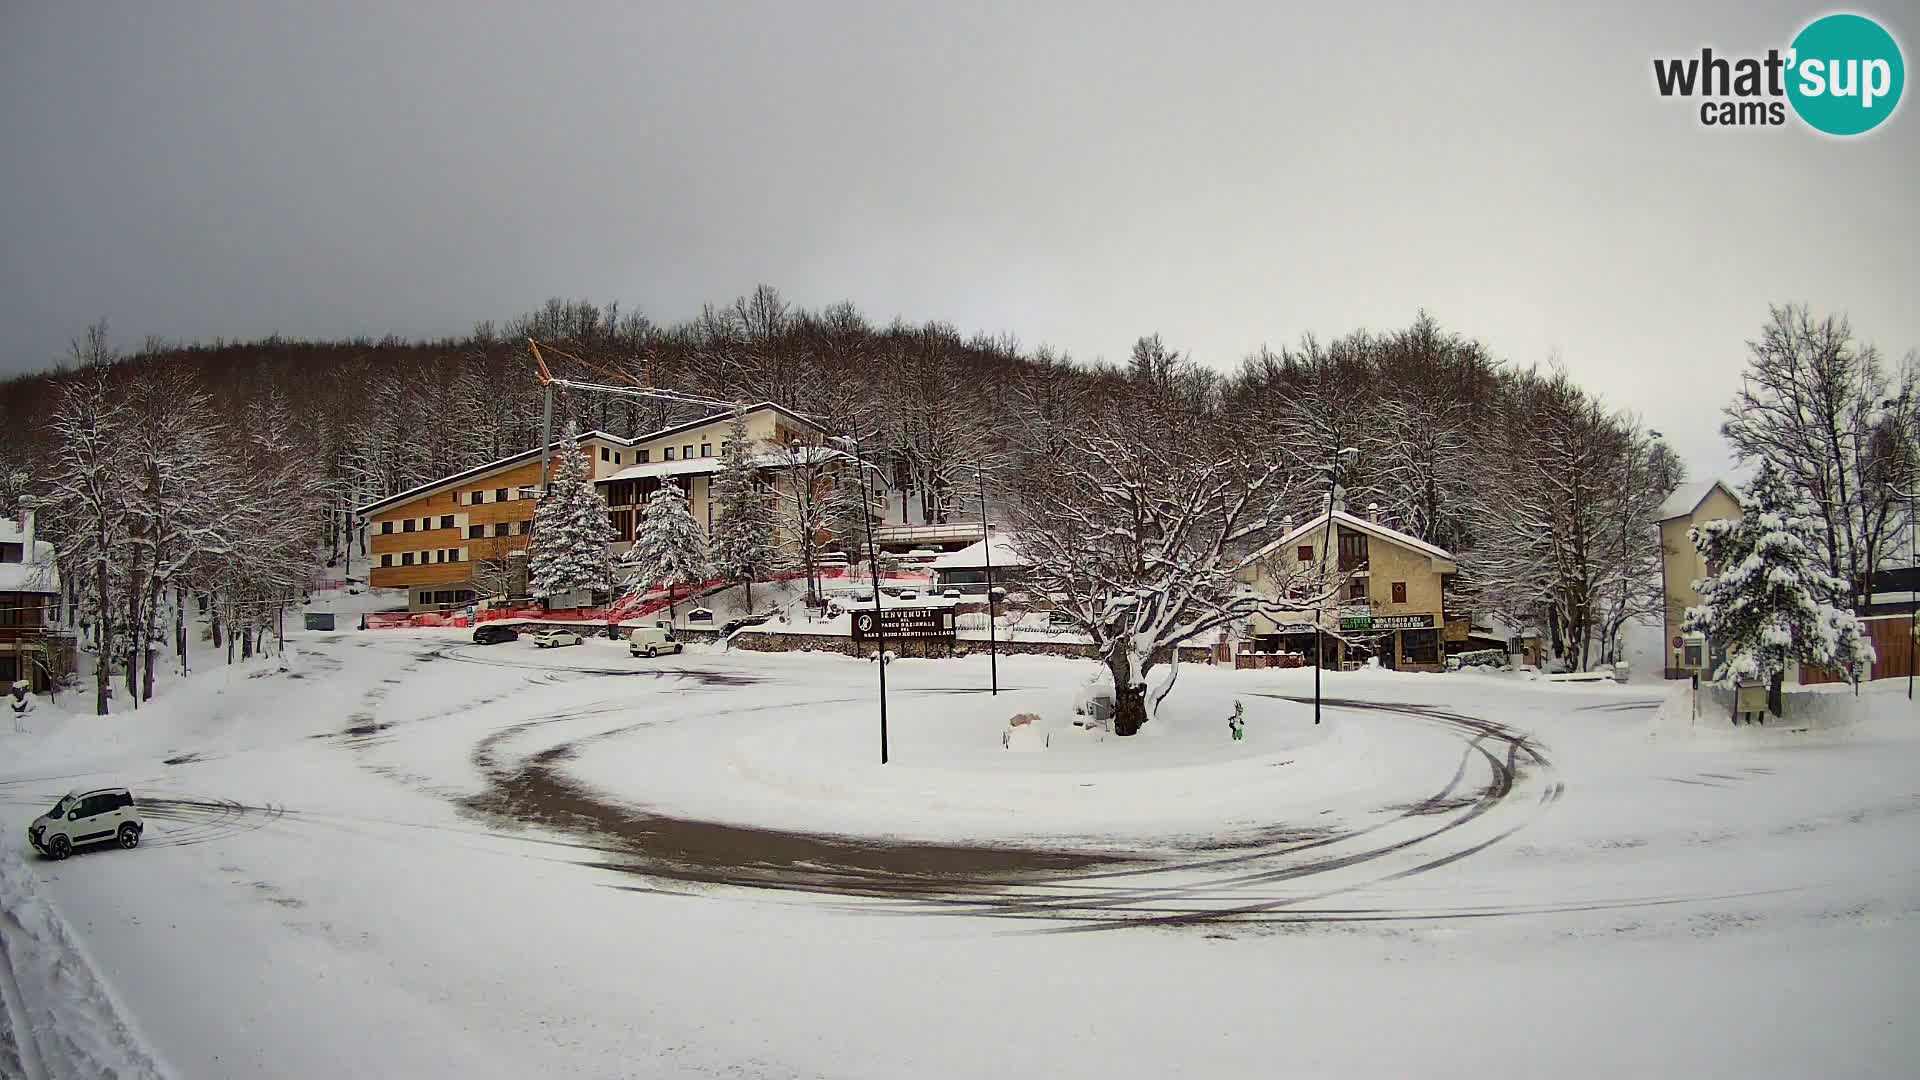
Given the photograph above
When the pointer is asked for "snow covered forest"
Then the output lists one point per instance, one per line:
(224, 470)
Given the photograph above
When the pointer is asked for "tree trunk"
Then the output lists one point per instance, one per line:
(1129, 698)
(103, 637)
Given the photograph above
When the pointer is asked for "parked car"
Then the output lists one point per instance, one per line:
(494, 634)
(908, 594)
(951, 594)
(651, 641)
(700, 614)
(745, 620)
(555, 638)
(80, 818)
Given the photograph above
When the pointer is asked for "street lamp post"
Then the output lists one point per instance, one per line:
(1333, 487)
(986, 548)
(873, 568)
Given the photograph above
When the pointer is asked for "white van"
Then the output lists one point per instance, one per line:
(652, 641)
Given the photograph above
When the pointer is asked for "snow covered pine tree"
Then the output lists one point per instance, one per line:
(571, 529)
(669, 548)
(743, 517)
(1769, 597)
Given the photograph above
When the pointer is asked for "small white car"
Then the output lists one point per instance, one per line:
(951, 594)
(652, 641)
(80, 818)
(908, 594)
(553, 639)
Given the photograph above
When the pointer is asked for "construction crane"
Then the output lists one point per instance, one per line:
(548, 380)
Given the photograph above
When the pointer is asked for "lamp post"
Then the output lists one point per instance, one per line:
(1333, 487)
(873, 567)
(986, 548)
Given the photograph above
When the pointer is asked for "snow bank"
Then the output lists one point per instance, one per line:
(64, 1020)
(1809, 710)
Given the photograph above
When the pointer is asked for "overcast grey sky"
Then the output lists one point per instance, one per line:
(1225, 174)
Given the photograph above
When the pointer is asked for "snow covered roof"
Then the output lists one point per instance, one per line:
(1687, 498)
(432, 486)
(1346, 520)
(701, 466)
(974, 556)
(37, 574)
(721, 417)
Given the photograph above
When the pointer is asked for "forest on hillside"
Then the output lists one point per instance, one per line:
(222, 466)
(1542, 490)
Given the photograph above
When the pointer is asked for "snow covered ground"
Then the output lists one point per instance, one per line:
(407, 854)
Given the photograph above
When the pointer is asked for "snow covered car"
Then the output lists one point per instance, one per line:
(652, 641)
(745, 620)
(951, 594)
(493, 635)
(553, 639)
(80, 818)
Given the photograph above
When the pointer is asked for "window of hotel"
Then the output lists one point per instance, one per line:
(446, 521)
(387, 559)
(1357, 589)
(13, 552)
(500, 528)
(406, 558)
(523, 527)
(453, 554)
(640, 456)
(1353, 550)
(1304, 553)
(475, 532)
(1399, 592)
(386, 527)
(499, 494)
(616, 457)
(477, 498)
(686, 452)
(426, 523)
(666, 454)
(1421, 646)
(407, 525)
(706, 449)
(606, 454)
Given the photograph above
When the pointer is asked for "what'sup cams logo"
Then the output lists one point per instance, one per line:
(1842, 75)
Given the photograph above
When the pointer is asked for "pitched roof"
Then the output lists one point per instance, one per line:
(720, 417)
(1343, 518)
(1687, 498)
(432, 486)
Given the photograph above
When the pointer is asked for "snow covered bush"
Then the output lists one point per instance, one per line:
(1770, 598)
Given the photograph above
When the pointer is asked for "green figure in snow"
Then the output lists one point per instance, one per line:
(1237, 723)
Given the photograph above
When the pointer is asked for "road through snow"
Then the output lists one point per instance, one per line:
(411, 855)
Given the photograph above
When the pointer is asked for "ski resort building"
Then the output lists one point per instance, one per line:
(1390, 603)
(32, 646)
(464, 537)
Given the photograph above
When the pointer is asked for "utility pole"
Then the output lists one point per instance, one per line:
(873, 566)
(986, 547)
(1333, 487)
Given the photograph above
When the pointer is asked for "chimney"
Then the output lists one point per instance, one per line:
(1339, 499)
(1373, 511)
(26, 532)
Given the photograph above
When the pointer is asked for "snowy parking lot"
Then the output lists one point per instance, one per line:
(412, 854)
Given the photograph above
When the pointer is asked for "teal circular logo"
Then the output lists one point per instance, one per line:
(1846, 74)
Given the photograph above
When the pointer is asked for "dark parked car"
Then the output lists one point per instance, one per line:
(486, 634)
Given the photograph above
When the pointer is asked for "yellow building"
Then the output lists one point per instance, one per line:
(1391, 602)
(461, 537)
(1681, 566)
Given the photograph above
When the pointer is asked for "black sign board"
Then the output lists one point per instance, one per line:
(903, 622)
